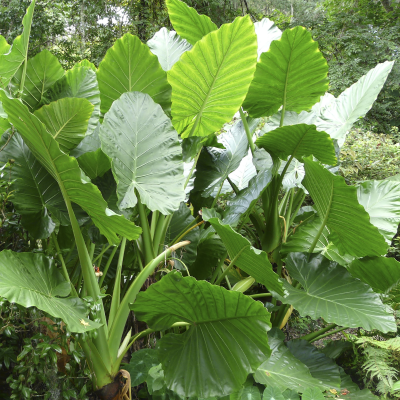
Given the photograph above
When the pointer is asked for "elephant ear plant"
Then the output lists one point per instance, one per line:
(106, 163)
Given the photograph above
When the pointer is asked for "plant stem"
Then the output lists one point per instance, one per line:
(101, 254)
(313, 335)
(117, 329)
(158, 233)
(216, 197)
(216, 272)
(116, 297)
(231, 264)
(247, 129)
(193, 167)
(154, 220)
(256, 296)
(147, 240)
(186, 232)
(328, 334)
(64, 267)
(108, 265)
(145, 333)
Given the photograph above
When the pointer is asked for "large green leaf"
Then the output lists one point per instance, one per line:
(130, 66)
(168, 47)
(246, 198)
(299, 141)
(251, 260)
(303, 237)
(339, 210)
(381, 273)
(210, 82)
(80, 82)
(66, 120)
(36, 191)
(215, 165)
(145, 152)
(284, 371)
(4, 46)
(321, 367)
(266, 32)
(31, 279)
(381, 200)
(330, 292)
(12, 60)
(226, 340)
(337, 116)
(67, 173)
(42, 72)
(292, 74)
(187, 22)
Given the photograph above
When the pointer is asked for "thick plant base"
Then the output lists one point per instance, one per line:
(117, 390)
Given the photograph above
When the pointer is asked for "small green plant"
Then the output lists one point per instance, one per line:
(366, 155)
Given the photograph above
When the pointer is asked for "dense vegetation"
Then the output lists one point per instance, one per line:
(200, 180)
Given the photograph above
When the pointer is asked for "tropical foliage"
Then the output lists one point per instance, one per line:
(117, 173)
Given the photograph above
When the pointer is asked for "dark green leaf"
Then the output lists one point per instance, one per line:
(340, 211)
(225, 343)
(331, 293)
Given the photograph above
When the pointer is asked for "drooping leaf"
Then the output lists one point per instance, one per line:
(210, 82)
(214, 167)
(251, 260)
(330, 292)
(145, 152)
(301, 240)
(66, 120)
(187, 22)
(338, 115)
(181, 220)
(31, 279)
(42, 72)
(298, 141)
(381, 273)
(36, 191)
(246, 198)
(313, 394)
(291, 73)
(67, 173)
(381, 200)
(340, 211)
(226, 341)
(140, 364)
(321, 367)
(130, 66)
(12, 60)
(246, 393)
(290, 118)
(243, 174)
(168, 47)
(272, 393)
(284, 371)
(266, 32)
